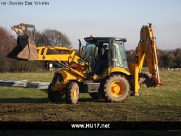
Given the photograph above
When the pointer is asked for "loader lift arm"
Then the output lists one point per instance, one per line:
(26, 49)
(146, 50)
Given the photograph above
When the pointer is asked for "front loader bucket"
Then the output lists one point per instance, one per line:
(25, 49)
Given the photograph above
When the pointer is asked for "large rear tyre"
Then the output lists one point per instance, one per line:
(116, 88)
(95, 95)
(54, 96)
(72, 92)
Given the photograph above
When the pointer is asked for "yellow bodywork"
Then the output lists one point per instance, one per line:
(146, 50)
(68, 74)
(66, 53)
(115, 70)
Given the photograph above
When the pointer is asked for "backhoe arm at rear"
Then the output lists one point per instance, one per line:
(146, 51)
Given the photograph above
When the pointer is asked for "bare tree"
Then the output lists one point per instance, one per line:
(39, 39)
(7, 43)
(52, 38)
(7, 40)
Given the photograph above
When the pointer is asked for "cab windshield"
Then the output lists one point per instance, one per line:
(116, 51)
(118, 55)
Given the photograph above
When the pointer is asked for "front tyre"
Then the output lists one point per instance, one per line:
(54, 96)
(116, 88)
(72, 92)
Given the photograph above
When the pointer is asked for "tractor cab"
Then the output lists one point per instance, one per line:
(95, 48)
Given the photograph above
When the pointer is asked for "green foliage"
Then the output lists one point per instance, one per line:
(167, 61)
(9, 65)
(177, 54)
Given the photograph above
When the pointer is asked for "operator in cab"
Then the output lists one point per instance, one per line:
(102, 62)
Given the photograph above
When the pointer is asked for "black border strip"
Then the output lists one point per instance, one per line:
(112, 126)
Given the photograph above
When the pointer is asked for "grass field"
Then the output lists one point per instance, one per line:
(28, 104)
(45, 76)
(154, 104)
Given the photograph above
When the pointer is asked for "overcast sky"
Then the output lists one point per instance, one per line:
(109, 18)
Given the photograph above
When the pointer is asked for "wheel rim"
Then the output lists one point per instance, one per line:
(75, 93)
(117, 89)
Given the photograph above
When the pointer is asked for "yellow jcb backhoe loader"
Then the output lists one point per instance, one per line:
(76, 73)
